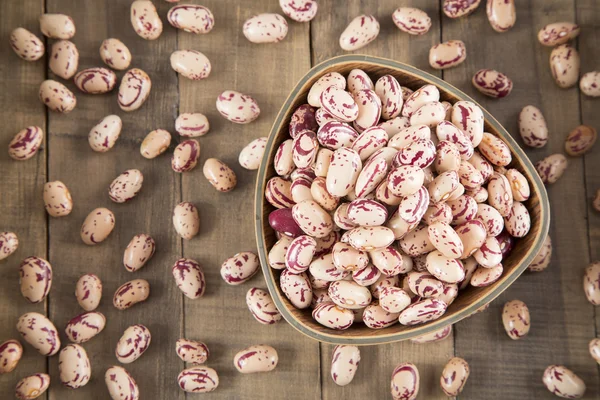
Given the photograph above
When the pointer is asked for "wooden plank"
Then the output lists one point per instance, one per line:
(588, 45)
(21, 182)
(372, 379)
(267, 72)
(561, 319)
(88, 175)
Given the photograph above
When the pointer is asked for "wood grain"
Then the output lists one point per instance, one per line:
(377, 363)
(21, 182)
(560, 315)
(267, 72)
(88, 175)
(588, 45)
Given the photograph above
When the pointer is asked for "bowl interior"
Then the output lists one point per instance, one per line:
(470, 299)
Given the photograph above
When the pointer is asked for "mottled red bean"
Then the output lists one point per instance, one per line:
(39, 332)
(131, 293)
(189, 277)
(192, 18)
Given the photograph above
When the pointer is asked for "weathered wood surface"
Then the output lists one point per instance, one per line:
(21, 183)
(563, 321)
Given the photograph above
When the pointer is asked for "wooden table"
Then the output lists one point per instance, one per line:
(563, 321)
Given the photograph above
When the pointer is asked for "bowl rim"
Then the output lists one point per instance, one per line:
(380, 337)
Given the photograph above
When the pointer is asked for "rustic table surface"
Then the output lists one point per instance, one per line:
(563, 321)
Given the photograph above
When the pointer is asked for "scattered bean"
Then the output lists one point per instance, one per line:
(191, 64)
(139, 250)
(57, 97)
(11, 352)
(412, 20)
(189, 277)
(32, 387)
(135, 86)
(121, 385)
(501, 14)
(563, 382)
(492, 83)
(64, 59)
(88, 292)
(186, 220)
(191, 351)
(35, 278)
(299, 10)
(590, 84)
(134, 342)
(155, 143)
(131, 293)
(74, 366)
(361, 31)
(145, 20)
(57, 26)
(237, 107)
(198, 380)
(26, 143)
(262, 307)
(126, 186)
(532, 126)
(454, 376)
(97, 226)
(26, 45)
(551, 168)
(405, 382)
(580, 140)
(564, 65)
(558, 33)
(516, 320)
(192, 18)
(39, 332)
(115, 54)
(192, 125)
(447, 54)
(104, 135)
(95, 80)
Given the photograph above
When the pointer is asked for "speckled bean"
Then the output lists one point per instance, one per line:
(349, 294)
(97, 226)
(219, 175)
(64, 59)
(134, 89)
(240, 268)
(104, 135)
(332, 316)
(155, 143)
(459, 8)
(448, 131)
(589, 84)
(257, 358)
(443, 186)
(26, 45)
(11, 352)
(252, 154)
(492, 83)
(563, 382)
(324, 269)
(186, 220)
(32, 386)
(472, 233)
(198, 380)
(500, 192)
(446, 269)
(189, 277)
(532, 127)
(26, 143)
(454, 376)
(131, 293)
(447, 54)
(416, 242)
(261, 306)
(366, 212)
(370, 238)
(265, 28)
(237, 107)
(39, 332)
(329, 79)
(405, 382)
(518, 221)
(192, 125)
(542, 259)
(145, 20)
(95, 80)
(190, 64)
(558, 33)
(422, 311)
(74, 366)
(564, 65)
(468, 117)
(300, 253)
(501, 14)
(297, 288)
(591, 283)
(115, 54)
(486, 276)
(359, 80)
(580, 140)
(139, 250)
(192, 351)
(132, 344)
(35, 278)
(594, 348)
(57, 26)
(411, 20)
(551, 168)
(57, 97)
(57, 199)
(361, 31)
(120, 384)
(299, 10)
(88, 291)
(516, 320)
(126, 186)
(192, 18)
